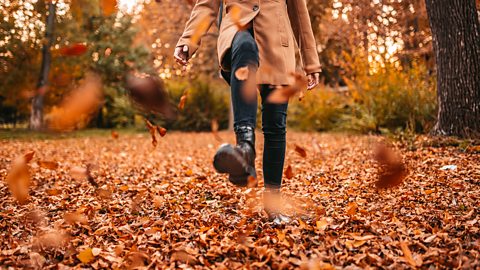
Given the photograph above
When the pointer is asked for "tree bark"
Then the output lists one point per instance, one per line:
(456, 42)
(36, 117)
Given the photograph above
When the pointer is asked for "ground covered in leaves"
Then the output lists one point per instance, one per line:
(117, 202)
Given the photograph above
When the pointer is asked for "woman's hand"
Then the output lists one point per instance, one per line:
(181, 55)
(313, 80)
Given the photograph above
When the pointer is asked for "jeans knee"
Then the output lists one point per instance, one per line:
(244, 49)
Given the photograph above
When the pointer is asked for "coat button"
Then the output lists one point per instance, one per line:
(255, 7)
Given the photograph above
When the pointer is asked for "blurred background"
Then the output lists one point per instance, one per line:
(378, 64)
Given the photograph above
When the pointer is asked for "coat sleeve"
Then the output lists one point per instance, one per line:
(302, 29)
(203, 15)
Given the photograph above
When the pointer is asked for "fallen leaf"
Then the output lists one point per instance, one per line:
(75, 217)
(51, 165)
(352, 209)
(182, 256)
(322, 224)
(407, 254)
(86, 256)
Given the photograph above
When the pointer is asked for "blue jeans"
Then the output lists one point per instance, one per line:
(244, 52)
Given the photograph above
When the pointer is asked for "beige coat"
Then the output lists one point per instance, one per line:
(277, 24)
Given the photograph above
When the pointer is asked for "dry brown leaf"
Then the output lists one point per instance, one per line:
(75, 217)
(51, 165)
(76, 49)
(282, 94)
(18, 178)
(51, 239)
(183, 256)
(152, 130)
(322, 224)
(407, 254)
(301, 151)
(352, 208)
(392, 169)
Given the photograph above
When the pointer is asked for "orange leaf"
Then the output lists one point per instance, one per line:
(201, 29)
(407, 254)
(109, 7)
(183, 100)
(182, 256)
(54, 192)
(161, 131)
(352, 209)
(115, 134)
(77, 108)
(392, 169)
(152, 130)
(289, 172)
(75, 217)
(86, 256)
(73, 50)
(18, 178)
(282, 94)
(51, 165)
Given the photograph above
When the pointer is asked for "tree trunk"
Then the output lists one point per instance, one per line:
(456, 42)
(36, 117)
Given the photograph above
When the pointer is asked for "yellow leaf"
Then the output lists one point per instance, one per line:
(407, 254)
(201, 29)
(322, 224)
(86, 256)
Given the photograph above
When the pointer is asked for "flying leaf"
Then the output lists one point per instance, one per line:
(161, 131)
(242, 73)
(392, 170)
(214, 126)
(149, 94)
(76, 49)
(282, 94)
(152, 130)
(75, 217)
(235, 14)
(183, 100)
(301, 151)
(77, 108)
(109, 7)
(289, 172)
(18, 178)
(114, 134)
(201, 29)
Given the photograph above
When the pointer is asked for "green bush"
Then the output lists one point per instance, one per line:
(388, 99)
(207, 100)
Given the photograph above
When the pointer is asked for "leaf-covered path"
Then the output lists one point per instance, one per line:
(165, 207)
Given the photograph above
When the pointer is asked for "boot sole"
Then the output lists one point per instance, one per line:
(228, 160)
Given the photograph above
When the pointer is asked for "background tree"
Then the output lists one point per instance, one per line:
(456, 40)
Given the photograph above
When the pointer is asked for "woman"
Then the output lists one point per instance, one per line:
(258, 35)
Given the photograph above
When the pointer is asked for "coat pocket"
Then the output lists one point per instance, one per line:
(282, 28)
